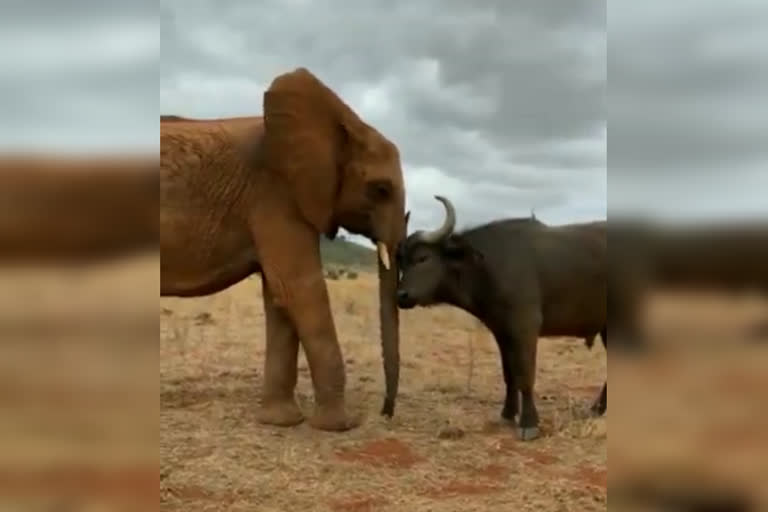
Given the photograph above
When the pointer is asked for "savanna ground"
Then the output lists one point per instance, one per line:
(79, 406)
(79, 396)
(690, 423)
(446, 449)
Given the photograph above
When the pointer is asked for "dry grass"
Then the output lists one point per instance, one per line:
(78, 390)
(445, 450)
(690, 419)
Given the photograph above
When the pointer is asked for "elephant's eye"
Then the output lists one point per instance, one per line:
(380, 190)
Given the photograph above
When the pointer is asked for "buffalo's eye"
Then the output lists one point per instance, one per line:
(421, 258)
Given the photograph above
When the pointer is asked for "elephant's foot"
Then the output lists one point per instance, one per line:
(333, 419)
(282, 414)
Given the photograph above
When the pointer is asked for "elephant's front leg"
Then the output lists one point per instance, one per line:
(278, 403)
(291, 263)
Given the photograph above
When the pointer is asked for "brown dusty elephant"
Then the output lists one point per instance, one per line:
(252, 194)
(77, 209)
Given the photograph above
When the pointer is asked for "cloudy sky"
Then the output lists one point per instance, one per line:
(500, 106)
(79, 75)
(688, 107)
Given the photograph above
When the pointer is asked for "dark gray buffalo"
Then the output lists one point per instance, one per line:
(522, 279)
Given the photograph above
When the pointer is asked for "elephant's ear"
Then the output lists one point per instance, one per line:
(308, 132)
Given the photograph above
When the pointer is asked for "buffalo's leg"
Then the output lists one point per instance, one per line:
(290, 259)
(278, 403)
(524, 350)
(511, 403)
(601, 404)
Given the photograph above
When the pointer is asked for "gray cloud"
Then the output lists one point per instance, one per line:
(502, 106)
(502, 109)
(687, 107)
(80, 76)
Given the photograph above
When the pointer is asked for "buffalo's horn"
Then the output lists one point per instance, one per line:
(448, 225)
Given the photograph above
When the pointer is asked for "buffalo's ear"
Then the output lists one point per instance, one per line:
(456, 249)
(307, 133)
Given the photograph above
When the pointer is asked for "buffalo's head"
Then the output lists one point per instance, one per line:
(434, 264)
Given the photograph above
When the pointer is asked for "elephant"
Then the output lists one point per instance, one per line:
(253, 195)
(82, 209)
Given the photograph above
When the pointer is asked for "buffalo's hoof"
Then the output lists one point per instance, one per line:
(527, 433)
(283, 414)
(334, 421)
(388, 408)
(508, 415)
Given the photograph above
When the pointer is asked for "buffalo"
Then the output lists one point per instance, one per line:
(725, 257)
(522, 279)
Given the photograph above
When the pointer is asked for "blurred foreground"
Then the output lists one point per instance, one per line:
(64, 208)
(79, 269)
(79, 399)
(689, 416)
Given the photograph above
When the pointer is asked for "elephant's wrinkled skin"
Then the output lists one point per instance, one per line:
(252, 194)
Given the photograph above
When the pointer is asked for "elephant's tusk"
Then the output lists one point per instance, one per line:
(383, 254)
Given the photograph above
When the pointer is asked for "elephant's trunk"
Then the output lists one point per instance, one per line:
(390, 330)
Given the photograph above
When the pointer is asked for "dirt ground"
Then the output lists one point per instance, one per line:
(78, 387)
(689, 418)
(446, 449)
(79, 406)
